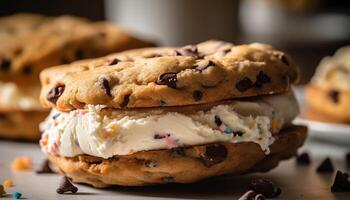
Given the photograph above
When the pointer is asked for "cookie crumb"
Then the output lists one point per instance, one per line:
(66, 186)
(303, 159)
(341, 182)
(21, 163)
(265, 187)
(16, 195)
(326, 166)
(7, 183)
(45, 168)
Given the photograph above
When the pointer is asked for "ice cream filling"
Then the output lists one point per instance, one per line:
(93, 132)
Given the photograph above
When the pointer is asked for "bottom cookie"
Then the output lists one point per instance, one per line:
(21, 125)
(180, 165)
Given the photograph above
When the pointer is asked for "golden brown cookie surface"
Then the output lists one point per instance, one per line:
(197, 74)
(180, 165)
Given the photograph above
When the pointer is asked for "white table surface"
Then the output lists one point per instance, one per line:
(297, 182)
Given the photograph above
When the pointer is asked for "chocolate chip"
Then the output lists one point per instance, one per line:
(153, 55)
(162, 103)
(237, 133)
(5, 64)
(217, 120)
(106, 87)
(151, 163)
(249, 195)
(203, 65)
(189, 50)
(284, 59)
(326, 166)
(244, 84)
(261, 79)
(341, 182)
(334, 95)
(303, 159)
(265, 187)
(125, 101)
(55, 93)
(214, 154)
(168, 179)
(79, 54)
(178, 151)
(45, 168)
(27, 70)
(347, 159)
(158, 136)
(66, 186)
(197, 95)
(114, 61)
(168, 79)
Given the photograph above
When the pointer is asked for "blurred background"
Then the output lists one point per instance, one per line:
(307, 29)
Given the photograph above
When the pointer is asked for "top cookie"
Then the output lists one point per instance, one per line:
(208, 72)
(50, 41)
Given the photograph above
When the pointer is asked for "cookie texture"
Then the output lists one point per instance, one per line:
(180, 165)
(207, 72)
(327, 104)
(59, 40)
(21, 125)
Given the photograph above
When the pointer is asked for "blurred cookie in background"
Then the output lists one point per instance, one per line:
(30, 43)
(328, 93)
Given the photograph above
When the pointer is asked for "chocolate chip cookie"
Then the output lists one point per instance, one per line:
(171, 115)
(30, 43)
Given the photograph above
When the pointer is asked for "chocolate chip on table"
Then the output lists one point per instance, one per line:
(334, 96)
(189, 50)
(55, 93)
(261, 79)
(326, 166)
(244, 84)
(27, 70)
(5, 64)
(197, 95)
(45, 168)
(125, 101)
(66, 186)
(168, 79)
(303, 159)
(265, 187)
(114, 61)
(341, 182)
(214, 154)
(106, 87)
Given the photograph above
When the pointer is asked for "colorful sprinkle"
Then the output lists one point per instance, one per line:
(21, 163)
(16, 195)
(7, 183)
(228, 130)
